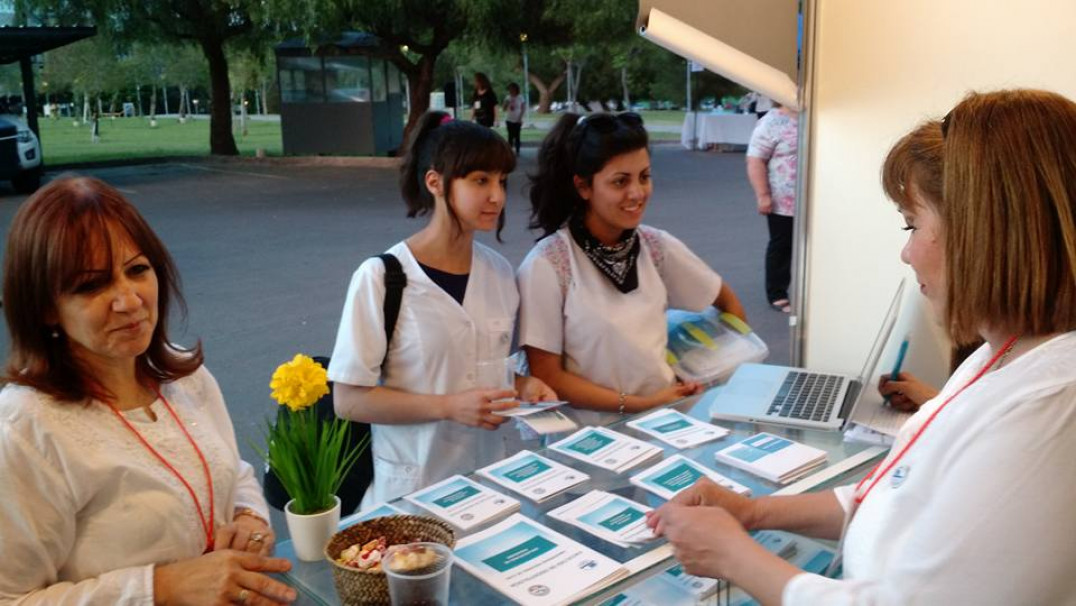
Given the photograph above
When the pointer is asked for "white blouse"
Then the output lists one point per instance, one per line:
(614, 339)
(86, 510)
(436, 349)
(982, 508)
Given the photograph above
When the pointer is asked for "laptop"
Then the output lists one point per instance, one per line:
(762, 393)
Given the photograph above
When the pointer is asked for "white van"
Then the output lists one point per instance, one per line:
(20, 155)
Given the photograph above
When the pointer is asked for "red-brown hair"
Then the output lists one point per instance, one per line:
(53, 236)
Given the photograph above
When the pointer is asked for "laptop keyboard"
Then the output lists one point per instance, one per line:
(806, 395)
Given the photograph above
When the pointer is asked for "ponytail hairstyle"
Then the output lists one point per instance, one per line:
(578, 147)
(454, 149)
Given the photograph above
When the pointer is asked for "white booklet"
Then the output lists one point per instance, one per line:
(606, 448)
(529, 408)
(677, 473)
(463, 503)
(544, 422)
(656, 590)
(677, 429)
(533, 475)
(532, 564)
(607, 516)
(701, 589)
(772, 457)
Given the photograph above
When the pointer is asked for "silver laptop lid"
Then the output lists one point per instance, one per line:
(880, 341)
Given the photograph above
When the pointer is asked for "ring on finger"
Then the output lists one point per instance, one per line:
(244, 595)
(257, 537)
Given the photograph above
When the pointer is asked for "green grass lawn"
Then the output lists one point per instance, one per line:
(131, 138)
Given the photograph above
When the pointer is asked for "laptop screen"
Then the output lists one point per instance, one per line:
(883, 337)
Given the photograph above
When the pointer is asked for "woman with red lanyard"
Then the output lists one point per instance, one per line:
(974, 503)
(122, 482)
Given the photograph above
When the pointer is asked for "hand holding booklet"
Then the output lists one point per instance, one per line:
(773, 458)
(463, 503)
(678, 473)
(533, 475)
(606, 448)
(607, 516)
(677, 429)
(532, 564)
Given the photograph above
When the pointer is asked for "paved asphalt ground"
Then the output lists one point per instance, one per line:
(266, 252)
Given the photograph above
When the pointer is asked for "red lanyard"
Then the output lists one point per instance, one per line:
(207, 525)
(1004, 349)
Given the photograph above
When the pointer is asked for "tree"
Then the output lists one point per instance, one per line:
(209, 24)
(87, 68)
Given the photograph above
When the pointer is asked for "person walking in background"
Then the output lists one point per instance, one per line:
(514, 108)
(771, 169)
(484, 101)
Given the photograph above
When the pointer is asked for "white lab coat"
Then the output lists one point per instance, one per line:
(435, 349)
(614, 339)
(980, 509)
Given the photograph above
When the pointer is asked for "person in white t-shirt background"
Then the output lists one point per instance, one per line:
(424, 392)
(595, 288)
(514, 109)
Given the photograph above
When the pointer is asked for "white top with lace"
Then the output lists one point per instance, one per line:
(86, 510)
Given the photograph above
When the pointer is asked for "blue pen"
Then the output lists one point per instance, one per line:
(895, 375)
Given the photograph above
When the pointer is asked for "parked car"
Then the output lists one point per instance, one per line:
(20, 155)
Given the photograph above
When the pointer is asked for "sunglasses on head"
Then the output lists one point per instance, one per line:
(945, 124)
(607, 123)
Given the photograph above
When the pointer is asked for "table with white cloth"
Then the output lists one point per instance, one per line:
(845, 460)
(717, 129)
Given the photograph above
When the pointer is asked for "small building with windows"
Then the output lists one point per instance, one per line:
(335, 100)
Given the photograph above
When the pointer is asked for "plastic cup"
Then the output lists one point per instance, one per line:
(424, 584)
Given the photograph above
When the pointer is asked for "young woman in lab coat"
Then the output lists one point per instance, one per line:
(595, 288)
(424, 392)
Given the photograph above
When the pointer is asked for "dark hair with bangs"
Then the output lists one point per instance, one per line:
(53, 236)
(915, 164)
(453, 149)
(578, 147)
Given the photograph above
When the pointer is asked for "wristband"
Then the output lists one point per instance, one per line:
(621, 400)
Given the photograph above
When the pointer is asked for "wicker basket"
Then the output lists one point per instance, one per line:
(356, 586)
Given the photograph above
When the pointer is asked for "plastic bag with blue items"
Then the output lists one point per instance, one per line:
(707, 347)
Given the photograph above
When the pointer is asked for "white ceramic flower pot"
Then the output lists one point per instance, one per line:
(310, 533)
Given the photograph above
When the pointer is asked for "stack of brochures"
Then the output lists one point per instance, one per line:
(544, 422)
(677, 473)
(606, 448)
(463, 503)
(533, 475)
(773, 458)
(677, 429)
(532, 564)
(607, 516)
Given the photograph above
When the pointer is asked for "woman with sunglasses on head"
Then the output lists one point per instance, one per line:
(423, 390)
(122, 482)
(973, 504)
(595, 288)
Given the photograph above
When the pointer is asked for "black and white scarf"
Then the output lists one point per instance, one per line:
(616, 262)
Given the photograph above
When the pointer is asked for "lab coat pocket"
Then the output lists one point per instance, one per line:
(393, 479)
(498, 338)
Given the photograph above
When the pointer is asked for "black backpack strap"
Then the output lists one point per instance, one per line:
(395, 281)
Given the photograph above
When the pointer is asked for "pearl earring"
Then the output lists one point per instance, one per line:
(55, 333)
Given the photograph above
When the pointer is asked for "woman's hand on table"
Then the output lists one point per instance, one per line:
(706, 493)
(533, 389)
(246, 533)
(475, 408)
(672, 393)
(703, 538)
(227, 576)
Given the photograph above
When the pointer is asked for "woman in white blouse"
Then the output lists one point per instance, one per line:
(974, 503)
(594, 290)
(122, 479)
